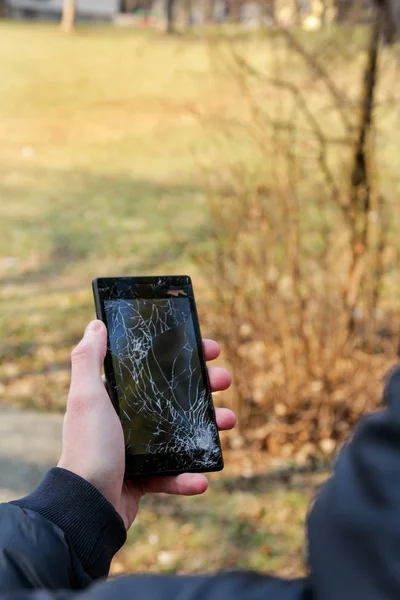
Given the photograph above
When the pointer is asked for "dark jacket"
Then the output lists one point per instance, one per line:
(61, 538)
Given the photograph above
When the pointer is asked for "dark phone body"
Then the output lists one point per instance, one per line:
(168, 421)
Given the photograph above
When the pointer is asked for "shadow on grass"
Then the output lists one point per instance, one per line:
(304, 480)
(301, 481)
(78, 214)
(293, 476)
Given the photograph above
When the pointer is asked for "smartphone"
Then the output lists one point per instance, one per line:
(156, 375)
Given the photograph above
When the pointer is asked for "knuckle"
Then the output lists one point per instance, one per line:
(81, 351)
(79, 401)
(84, 395)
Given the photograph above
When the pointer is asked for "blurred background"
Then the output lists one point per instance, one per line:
(251, 144)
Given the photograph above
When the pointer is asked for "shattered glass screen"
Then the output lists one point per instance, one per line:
(163, 401)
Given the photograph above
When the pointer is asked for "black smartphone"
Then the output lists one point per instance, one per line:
(157, 376)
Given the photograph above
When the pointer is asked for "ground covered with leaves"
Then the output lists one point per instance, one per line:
(254, 520)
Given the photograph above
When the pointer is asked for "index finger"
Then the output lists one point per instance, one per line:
(211, 349)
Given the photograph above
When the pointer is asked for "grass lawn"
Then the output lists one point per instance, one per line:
(99, 175)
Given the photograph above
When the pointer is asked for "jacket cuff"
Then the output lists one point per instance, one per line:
(90, 523)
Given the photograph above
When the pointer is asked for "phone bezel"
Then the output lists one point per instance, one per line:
(140, 465)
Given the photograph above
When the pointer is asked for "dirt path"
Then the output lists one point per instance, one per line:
(30, 443)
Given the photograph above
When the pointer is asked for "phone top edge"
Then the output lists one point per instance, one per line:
(140, 277)
(99, 283)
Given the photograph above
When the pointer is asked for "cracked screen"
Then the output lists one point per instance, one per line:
(164, 402)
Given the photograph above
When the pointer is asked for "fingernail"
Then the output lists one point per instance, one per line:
(94, 326)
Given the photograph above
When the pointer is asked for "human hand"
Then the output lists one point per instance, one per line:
(93, 440)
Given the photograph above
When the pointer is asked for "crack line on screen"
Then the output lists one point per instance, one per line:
(164, 405)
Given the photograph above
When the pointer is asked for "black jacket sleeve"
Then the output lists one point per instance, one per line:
(354, 527)
(228, 586)
(60, 538)
(64, 534)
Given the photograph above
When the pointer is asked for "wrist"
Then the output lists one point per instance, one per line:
(103, 481)
(91, 524)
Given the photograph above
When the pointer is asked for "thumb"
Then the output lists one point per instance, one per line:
(87, 357)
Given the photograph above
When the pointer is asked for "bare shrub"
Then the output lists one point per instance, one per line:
(300, 242)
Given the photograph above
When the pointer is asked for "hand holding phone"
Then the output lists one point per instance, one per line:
(93, 440)
(157, 376)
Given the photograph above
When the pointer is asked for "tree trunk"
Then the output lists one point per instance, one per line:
(390, 10)
(298, 12)
(208, 11)
(234, 10)
(362, 176)
(148, 5)
(187, 13)
(342, 10)
(170, 16)
(68, 16)
(272, 8)
(359, 177)
(324, 13)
